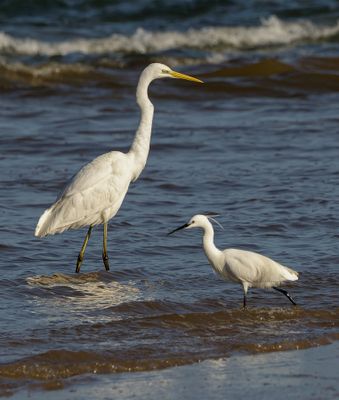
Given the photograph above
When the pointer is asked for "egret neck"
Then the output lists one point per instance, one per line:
(141, 143)
(212, 252)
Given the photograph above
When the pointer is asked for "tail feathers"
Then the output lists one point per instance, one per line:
(290, 274)
(51, 223)
(62, 216)
(45, 223)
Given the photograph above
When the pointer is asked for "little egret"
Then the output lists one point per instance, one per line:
(95, 194)
(241, 266)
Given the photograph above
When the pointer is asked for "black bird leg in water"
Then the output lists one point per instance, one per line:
(285, 292)
(104, 248)
(82, 251)
(244, 304)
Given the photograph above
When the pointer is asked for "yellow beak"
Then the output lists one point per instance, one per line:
(178, 75)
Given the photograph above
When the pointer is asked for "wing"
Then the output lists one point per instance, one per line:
(93, 173)
(254, 268)
(92, 196)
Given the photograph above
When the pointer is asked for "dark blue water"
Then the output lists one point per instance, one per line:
(257, 144)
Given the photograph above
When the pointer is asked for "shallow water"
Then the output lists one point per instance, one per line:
(257, 143)
(271, 375)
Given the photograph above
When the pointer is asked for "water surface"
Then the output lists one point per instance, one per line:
(257, 143)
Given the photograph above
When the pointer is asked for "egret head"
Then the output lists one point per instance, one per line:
(197, 221)
(157, 71)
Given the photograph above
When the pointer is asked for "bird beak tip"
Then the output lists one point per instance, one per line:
(178, 229)
(179, 75)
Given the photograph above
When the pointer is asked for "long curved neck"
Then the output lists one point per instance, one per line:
(141, 143)
(211, 251)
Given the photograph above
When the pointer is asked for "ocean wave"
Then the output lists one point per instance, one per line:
(263, 77)
(62, 363)
(271, 32)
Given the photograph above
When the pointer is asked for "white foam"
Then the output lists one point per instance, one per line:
(89, 292)
(271, 32)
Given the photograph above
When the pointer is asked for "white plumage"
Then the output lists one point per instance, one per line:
(95, 194)
(245, 267)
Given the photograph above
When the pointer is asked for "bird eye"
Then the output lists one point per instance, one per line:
(165, 71)
(193, 222)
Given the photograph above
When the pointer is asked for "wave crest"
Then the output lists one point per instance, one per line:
(271, 32)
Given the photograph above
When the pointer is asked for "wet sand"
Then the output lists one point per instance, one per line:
(300, 374)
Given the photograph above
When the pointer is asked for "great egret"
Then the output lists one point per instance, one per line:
(245, 267)
(95, 194)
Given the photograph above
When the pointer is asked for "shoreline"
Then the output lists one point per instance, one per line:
(297, 374)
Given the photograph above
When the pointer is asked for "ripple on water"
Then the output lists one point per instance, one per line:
(92, 291)
(226, 332)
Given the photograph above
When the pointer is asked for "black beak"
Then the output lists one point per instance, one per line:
(178, 229)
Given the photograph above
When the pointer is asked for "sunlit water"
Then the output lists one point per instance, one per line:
(257, 143)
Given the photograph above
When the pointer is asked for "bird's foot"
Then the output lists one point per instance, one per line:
(106, 262)
(291, 299)
(285, 292)
(79, 261)
(244, 304)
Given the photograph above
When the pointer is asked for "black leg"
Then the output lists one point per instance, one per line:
(104, 248)
(245, 288)
(82, 251)
(285, 292)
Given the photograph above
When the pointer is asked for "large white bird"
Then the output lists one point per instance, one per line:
(245, 267)
(95, 194)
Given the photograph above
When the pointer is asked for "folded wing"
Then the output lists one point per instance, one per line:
(93, 195)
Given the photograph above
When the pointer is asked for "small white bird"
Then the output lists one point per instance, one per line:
(95, 194)
(241, 266)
